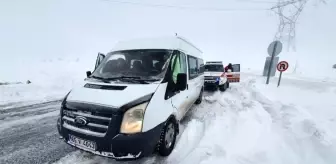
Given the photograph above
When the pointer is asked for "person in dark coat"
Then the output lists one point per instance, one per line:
(228, 67)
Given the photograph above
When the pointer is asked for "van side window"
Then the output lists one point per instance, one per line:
(200, 66)
(179, 65)
(183, 60)
(193, 70)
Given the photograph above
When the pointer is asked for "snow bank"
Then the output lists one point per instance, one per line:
(250, 126)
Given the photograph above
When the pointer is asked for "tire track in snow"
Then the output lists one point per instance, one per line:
(30, 114)
(16, 107)
(32, 137)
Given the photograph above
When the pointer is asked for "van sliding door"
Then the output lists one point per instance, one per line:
(234, 75)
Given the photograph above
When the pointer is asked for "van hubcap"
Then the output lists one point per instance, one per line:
(169, 137)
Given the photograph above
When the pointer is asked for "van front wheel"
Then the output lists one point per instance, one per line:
(167, 139)
(224, 87)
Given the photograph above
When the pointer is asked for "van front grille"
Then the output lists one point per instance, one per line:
(96, 122)
(210, 77)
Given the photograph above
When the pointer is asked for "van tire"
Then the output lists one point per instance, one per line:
(168, 134)
(200, 98)
(223, 87)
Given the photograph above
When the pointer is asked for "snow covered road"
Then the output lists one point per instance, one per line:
(28, 135)
(247, 124)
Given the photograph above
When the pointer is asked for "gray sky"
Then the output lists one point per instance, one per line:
(40, 29)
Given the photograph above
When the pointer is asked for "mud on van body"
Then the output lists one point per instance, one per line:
(131, 104)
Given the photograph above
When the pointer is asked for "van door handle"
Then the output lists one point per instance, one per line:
(187, 86)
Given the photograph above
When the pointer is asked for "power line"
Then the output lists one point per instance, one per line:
(286, 29)
(186, 7)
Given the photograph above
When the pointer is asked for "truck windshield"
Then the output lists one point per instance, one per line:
(139, 64)
(214, 68)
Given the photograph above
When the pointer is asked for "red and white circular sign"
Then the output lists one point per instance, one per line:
(282, 66)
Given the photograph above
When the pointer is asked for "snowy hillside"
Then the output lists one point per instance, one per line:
(51, 80)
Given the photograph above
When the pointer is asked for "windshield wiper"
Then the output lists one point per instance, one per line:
(105, 80)
(133, 79)
(136, 78)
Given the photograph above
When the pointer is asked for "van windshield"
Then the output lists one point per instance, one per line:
(139, 64)
(214, 68)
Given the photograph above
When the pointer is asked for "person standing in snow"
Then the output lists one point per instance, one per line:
(228, 67)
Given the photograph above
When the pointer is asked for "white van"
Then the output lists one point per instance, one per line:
(215, 75)
(131, 104)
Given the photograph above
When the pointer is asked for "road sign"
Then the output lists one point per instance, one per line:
(282, 66)
(267, 63)
(274, 48)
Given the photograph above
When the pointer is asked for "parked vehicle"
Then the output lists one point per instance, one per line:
(214, 75)
(131, 104)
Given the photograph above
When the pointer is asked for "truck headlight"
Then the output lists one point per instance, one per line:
(133, 119)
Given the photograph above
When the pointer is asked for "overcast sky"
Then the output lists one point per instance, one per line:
(42, 29)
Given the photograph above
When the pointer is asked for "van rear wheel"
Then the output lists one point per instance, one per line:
(167, 138)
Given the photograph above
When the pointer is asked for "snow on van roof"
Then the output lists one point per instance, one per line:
(171, 43)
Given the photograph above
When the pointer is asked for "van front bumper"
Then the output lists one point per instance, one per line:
(211, 83)
(121, 146)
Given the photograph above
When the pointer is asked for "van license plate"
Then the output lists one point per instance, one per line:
(78, 142)
(208, 81)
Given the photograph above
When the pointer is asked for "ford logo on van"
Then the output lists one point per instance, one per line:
(79, 120)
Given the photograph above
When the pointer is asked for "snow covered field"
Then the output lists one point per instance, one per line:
(51, 80)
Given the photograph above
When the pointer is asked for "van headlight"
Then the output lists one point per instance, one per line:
(133, 119)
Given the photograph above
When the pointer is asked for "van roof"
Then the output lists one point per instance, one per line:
(214, 62)
(170, 43)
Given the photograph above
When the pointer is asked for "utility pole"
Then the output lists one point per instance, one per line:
(288, 12)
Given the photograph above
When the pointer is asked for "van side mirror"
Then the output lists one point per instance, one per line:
(88, 73)
(181, 82)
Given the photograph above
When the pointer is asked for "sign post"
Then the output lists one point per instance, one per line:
(282, 67)
(273, 50)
